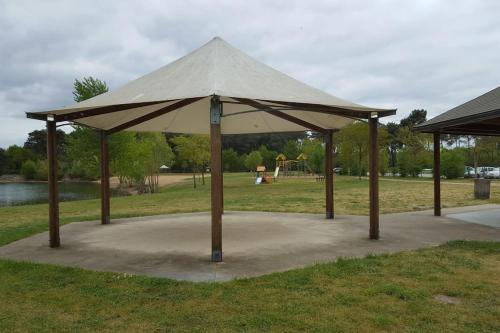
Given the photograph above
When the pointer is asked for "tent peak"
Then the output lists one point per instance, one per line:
(215, 41)
(215, 68)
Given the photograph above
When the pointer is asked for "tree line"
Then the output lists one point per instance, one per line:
(135, 158)
(406, 152)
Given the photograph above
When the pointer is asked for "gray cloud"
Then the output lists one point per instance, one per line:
(419, 54)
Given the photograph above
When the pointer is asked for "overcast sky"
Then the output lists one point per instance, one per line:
(409, 55)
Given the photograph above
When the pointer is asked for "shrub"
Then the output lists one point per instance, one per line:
(452, 164)
(393, 171)
(411, 163)
(253, 160)
(41, 170)
(383, 161)
(28, 170)
(230, 160)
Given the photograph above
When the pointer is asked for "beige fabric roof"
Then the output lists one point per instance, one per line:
(216, 68)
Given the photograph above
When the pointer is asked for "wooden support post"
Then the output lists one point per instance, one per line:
(104, 179)
(52, 182)
(437, 174)
(329, 174)
(216, 177)
(374, 203)
(222, 173)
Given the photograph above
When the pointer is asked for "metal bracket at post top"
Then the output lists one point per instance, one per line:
(215, 110)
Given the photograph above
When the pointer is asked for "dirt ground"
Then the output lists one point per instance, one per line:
(165, 179)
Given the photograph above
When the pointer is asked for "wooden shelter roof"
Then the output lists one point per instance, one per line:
(479, 116)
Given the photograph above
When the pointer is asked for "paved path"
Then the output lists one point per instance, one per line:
(254, 243)
(490, 217)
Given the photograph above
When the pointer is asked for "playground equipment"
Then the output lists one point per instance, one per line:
(261, 176)
(281, 163)
(297, 167)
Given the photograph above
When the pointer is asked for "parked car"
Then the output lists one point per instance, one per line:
(426, 173)
(469, 172)
(491, 172)
(480, 172)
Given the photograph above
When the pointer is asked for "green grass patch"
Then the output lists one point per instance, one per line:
(350, 295)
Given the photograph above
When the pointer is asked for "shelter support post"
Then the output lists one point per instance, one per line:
(374, 169)
(216, 177)
(52, 182)
(437, 174)
(222, 174)
(104, 179)
(329, 174)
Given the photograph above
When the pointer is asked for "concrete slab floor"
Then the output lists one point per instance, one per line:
(254, 243)
(490, 217)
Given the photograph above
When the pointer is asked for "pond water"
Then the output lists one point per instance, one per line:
(12, 194)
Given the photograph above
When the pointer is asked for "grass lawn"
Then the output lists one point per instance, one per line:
(378, 293)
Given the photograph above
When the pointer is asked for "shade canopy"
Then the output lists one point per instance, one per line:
(480, 116)
(175, 98)
(214, 90)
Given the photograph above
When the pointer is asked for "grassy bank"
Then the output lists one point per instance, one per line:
(393, 293)
(240, 193)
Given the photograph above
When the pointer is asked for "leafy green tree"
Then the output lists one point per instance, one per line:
(397, 140)
(353, 142)
(487, 150)
(194, 150)
(268, 157)
(230, 160)
(291, 149)
(253, 160)
(150, 151)
(416, 117)
(37, 144)
(84, 153)
(87, 88)
(123, 156)
(315, 152)
(452, 163)
(83, 142)
(242, 158)
(415, 154)
(411, 164)
(17, 156)
(383, 161)
(405, 164)
(130, 154)
(243, 144)
(204, 156)
(28, 170)
(42, 170)
(394, 143)
(4, 161)
(159, 153)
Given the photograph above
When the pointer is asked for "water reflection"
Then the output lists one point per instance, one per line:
(12, 194)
